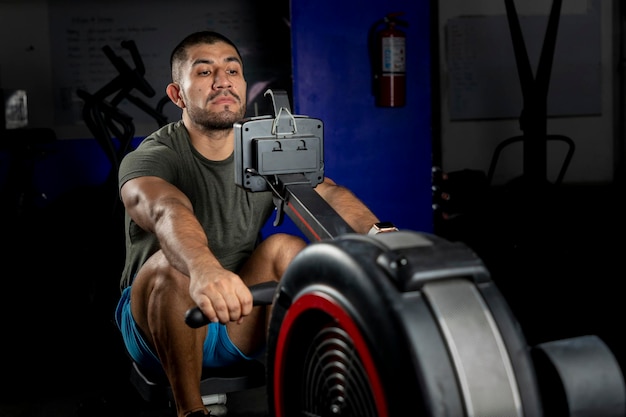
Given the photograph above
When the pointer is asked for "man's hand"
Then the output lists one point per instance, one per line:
(220, 294)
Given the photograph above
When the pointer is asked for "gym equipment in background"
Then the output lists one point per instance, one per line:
(113, 128)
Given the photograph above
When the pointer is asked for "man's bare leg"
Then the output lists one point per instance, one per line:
(160, 298)
(268, 263)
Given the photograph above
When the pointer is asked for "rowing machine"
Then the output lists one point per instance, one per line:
(402, 323)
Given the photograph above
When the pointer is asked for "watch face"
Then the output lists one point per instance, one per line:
(382, 227)
(385, 225)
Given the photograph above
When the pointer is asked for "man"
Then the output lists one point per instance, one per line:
(192, 233)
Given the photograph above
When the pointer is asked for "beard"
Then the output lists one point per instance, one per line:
(222, 120)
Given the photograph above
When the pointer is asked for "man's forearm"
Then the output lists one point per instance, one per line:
(349, 207)
(183, 240)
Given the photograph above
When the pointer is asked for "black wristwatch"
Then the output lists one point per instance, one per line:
(382, 227)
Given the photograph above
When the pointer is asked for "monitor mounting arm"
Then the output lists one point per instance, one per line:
(284, 154)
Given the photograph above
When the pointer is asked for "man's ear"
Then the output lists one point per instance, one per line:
(173, 92)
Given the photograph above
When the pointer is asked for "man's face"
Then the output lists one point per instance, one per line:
(213, 87)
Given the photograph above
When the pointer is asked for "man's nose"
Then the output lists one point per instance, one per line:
(221, 79)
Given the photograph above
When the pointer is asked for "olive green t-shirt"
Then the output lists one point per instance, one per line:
(231, 217)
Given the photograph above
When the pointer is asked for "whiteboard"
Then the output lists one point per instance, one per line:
(483, 82)
(79, 31)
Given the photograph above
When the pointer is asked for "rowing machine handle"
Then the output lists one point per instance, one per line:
(262, 295)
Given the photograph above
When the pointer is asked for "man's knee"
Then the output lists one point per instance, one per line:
(157, 277)
(284, 244)
(273, 255)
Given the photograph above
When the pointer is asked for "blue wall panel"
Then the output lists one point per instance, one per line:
(382, 154)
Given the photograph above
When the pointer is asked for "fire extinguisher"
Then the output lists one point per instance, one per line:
(387, 51)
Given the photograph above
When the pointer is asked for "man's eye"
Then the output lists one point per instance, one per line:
(207, 72)
(232, 72)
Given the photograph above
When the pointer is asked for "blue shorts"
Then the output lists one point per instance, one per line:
(218, 348)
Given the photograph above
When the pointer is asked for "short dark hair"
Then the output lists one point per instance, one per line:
(206, 36)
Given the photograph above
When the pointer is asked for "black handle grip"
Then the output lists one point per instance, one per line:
(262, 295)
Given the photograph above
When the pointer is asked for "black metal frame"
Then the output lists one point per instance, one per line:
(533, 118)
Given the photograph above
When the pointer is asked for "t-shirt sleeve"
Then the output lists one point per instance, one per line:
(149, 159)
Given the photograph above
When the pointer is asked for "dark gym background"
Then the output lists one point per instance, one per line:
(553, 249)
